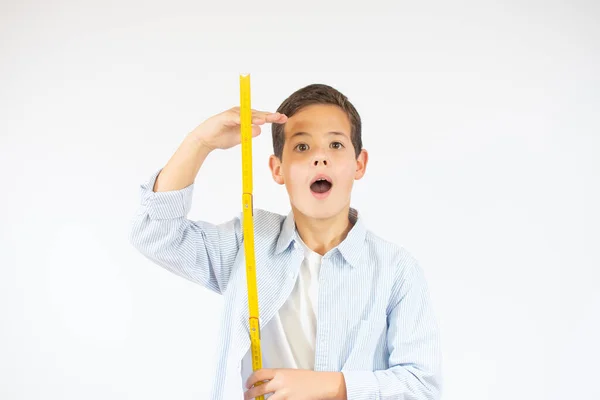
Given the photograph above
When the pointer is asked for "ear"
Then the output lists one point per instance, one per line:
(361, 164)
(276, 169)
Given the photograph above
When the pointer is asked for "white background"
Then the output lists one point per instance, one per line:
(482, 123)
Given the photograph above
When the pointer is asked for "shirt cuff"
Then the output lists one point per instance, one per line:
(165, 205)
(361, 385)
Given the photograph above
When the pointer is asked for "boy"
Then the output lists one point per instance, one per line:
(344, 314)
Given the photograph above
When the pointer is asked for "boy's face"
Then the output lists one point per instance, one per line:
(317, 145)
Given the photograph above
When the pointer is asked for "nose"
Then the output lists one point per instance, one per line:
(320, 160)
(320, 156)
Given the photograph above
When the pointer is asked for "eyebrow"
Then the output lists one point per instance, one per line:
(336, 133)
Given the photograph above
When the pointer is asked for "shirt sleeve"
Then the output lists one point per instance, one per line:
(199, 251)
(413, 340)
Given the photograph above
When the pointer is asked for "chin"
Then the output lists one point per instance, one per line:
(318, 210)
(320, 214)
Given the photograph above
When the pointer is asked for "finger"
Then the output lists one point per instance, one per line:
(265, 114)
(263, 374)
(255, 130)
(258, 117)
(259, 390)
(235, 119)
(254, 112)
(278, 118)
(265, 117)
(281, 120)
(261, 117)
(259, 120)
(236, 111)
(275, 118)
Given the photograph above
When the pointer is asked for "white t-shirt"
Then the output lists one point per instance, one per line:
(288, 340)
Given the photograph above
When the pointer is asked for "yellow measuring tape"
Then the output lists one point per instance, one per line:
(248, 222)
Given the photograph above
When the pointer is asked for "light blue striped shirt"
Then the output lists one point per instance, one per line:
(375, 322)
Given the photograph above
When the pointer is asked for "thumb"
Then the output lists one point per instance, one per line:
(255, 130)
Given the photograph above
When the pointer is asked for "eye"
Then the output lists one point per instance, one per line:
(337, 145)
(301, 147)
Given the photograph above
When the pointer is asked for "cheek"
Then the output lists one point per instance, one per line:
(298, 170)
(295, 176)
(347, 172)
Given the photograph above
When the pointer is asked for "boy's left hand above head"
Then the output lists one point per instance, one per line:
(292, 384)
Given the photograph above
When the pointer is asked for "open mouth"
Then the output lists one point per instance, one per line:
(321, 184)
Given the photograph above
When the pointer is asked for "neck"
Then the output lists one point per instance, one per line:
(322, 235)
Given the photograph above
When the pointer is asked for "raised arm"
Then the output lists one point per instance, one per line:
(199, 251)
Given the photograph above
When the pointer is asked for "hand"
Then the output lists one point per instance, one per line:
(222, 131)
(296, 384)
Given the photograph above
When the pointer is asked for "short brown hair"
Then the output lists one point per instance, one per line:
(316, 94)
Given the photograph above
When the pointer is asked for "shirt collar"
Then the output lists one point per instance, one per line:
(350, 248)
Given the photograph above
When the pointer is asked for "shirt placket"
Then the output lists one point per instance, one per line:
(323, 318)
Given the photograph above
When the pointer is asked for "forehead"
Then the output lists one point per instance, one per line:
(318, 119)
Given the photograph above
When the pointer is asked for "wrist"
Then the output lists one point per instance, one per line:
(198, 143)
(336, 386)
